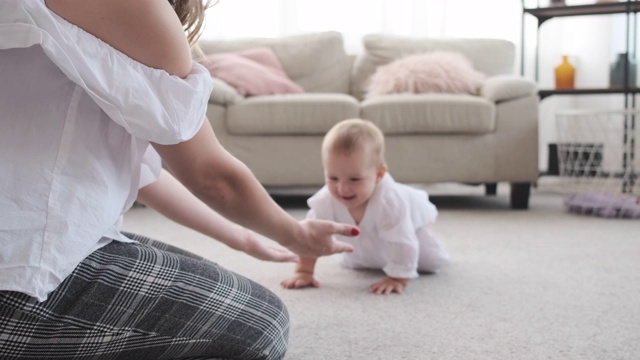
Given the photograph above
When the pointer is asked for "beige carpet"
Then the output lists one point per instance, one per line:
(534, 284)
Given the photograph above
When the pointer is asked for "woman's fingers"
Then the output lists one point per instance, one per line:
(346, 230)
(317, 238)
(339, 247)
(279, 255)
(263, 252)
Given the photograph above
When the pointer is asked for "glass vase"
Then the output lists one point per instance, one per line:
(565, 74)
(616, 78)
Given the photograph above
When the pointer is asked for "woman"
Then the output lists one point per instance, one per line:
(85, 86)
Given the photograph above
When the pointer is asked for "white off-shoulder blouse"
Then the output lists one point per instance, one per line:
(76, 117)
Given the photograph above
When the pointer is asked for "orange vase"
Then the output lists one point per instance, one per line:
(565, 73)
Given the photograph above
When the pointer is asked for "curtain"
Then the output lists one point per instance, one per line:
(354, 18)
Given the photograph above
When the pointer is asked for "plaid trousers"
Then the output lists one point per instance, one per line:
(146, 300)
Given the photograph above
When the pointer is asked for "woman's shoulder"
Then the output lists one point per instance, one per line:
(147, 31)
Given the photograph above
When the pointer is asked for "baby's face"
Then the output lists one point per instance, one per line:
(351, 178)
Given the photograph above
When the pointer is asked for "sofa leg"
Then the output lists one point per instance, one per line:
(520, 195)
(491, 188)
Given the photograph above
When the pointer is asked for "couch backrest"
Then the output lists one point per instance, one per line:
(489, 56)
(317, 61)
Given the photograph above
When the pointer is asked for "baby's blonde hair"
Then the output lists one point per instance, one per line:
(349, 135)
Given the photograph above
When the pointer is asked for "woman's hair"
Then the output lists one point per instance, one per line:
(191, 15)
(349, 135)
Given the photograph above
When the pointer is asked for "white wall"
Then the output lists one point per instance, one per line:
(354, 18)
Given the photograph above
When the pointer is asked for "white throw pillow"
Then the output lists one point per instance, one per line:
(489, 56)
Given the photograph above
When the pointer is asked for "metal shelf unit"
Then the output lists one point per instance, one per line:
(543, 14)
(628, 7)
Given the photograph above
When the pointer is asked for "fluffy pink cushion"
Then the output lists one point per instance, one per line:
(251, 72)
(437, 71)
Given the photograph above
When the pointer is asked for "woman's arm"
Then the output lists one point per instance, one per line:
(150, 32)
(171, 199)
(227, 185)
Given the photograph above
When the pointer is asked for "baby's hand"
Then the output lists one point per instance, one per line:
(300, 280)
(388, 285)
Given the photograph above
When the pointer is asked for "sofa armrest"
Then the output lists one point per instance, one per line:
(223, 93)
(506, 87)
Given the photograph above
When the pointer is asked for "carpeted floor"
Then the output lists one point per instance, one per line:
(535, 284)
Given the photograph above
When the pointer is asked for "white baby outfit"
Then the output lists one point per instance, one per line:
(394, 230)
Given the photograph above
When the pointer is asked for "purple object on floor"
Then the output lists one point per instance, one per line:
(609, 206)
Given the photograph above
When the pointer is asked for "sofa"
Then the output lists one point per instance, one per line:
(487, 137)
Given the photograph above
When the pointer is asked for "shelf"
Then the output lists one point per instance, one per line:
(543, 14)
(546, 13)
(629, 8)
(543, 93)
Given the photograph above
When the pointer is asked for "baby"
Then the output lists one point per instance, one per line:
(393, 218)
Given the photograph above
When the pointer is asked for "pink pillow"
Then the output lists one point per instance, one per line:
(252, 72)
(436, 71)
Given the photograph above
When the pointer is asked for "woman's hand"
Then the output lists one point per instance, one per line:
(258, 249)
(315, 238)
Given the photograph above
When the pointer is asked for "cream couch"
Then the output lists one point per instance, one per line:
(431, 138)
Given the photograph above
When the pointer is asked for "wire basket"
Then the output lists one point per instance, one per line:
(598, 162)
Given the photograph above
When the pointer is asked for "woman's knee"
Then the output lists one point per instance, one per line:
(276, 335)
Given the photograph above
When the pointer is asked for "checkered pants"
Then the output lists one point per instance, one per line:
(146, 300)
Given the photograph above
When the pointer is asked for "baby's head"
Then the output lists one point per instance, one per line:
(353, 160)
(349, 136)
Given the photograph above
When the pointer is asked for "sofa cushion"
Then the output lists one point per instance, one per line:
(223, 93)
(252, 72)
(304, 114)
(489, 56)
(507, 87)
(430, 114)
(316, 61)
(431, 72)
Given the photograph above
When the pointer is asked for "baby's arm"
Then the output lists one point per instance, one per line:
(402, 250)
(303, 276)
(170, 198)
(401, 267)
(401, 246)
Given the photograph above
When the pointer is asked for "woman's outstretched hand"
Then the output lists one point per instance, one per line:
(316, 238)
(258, 249)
